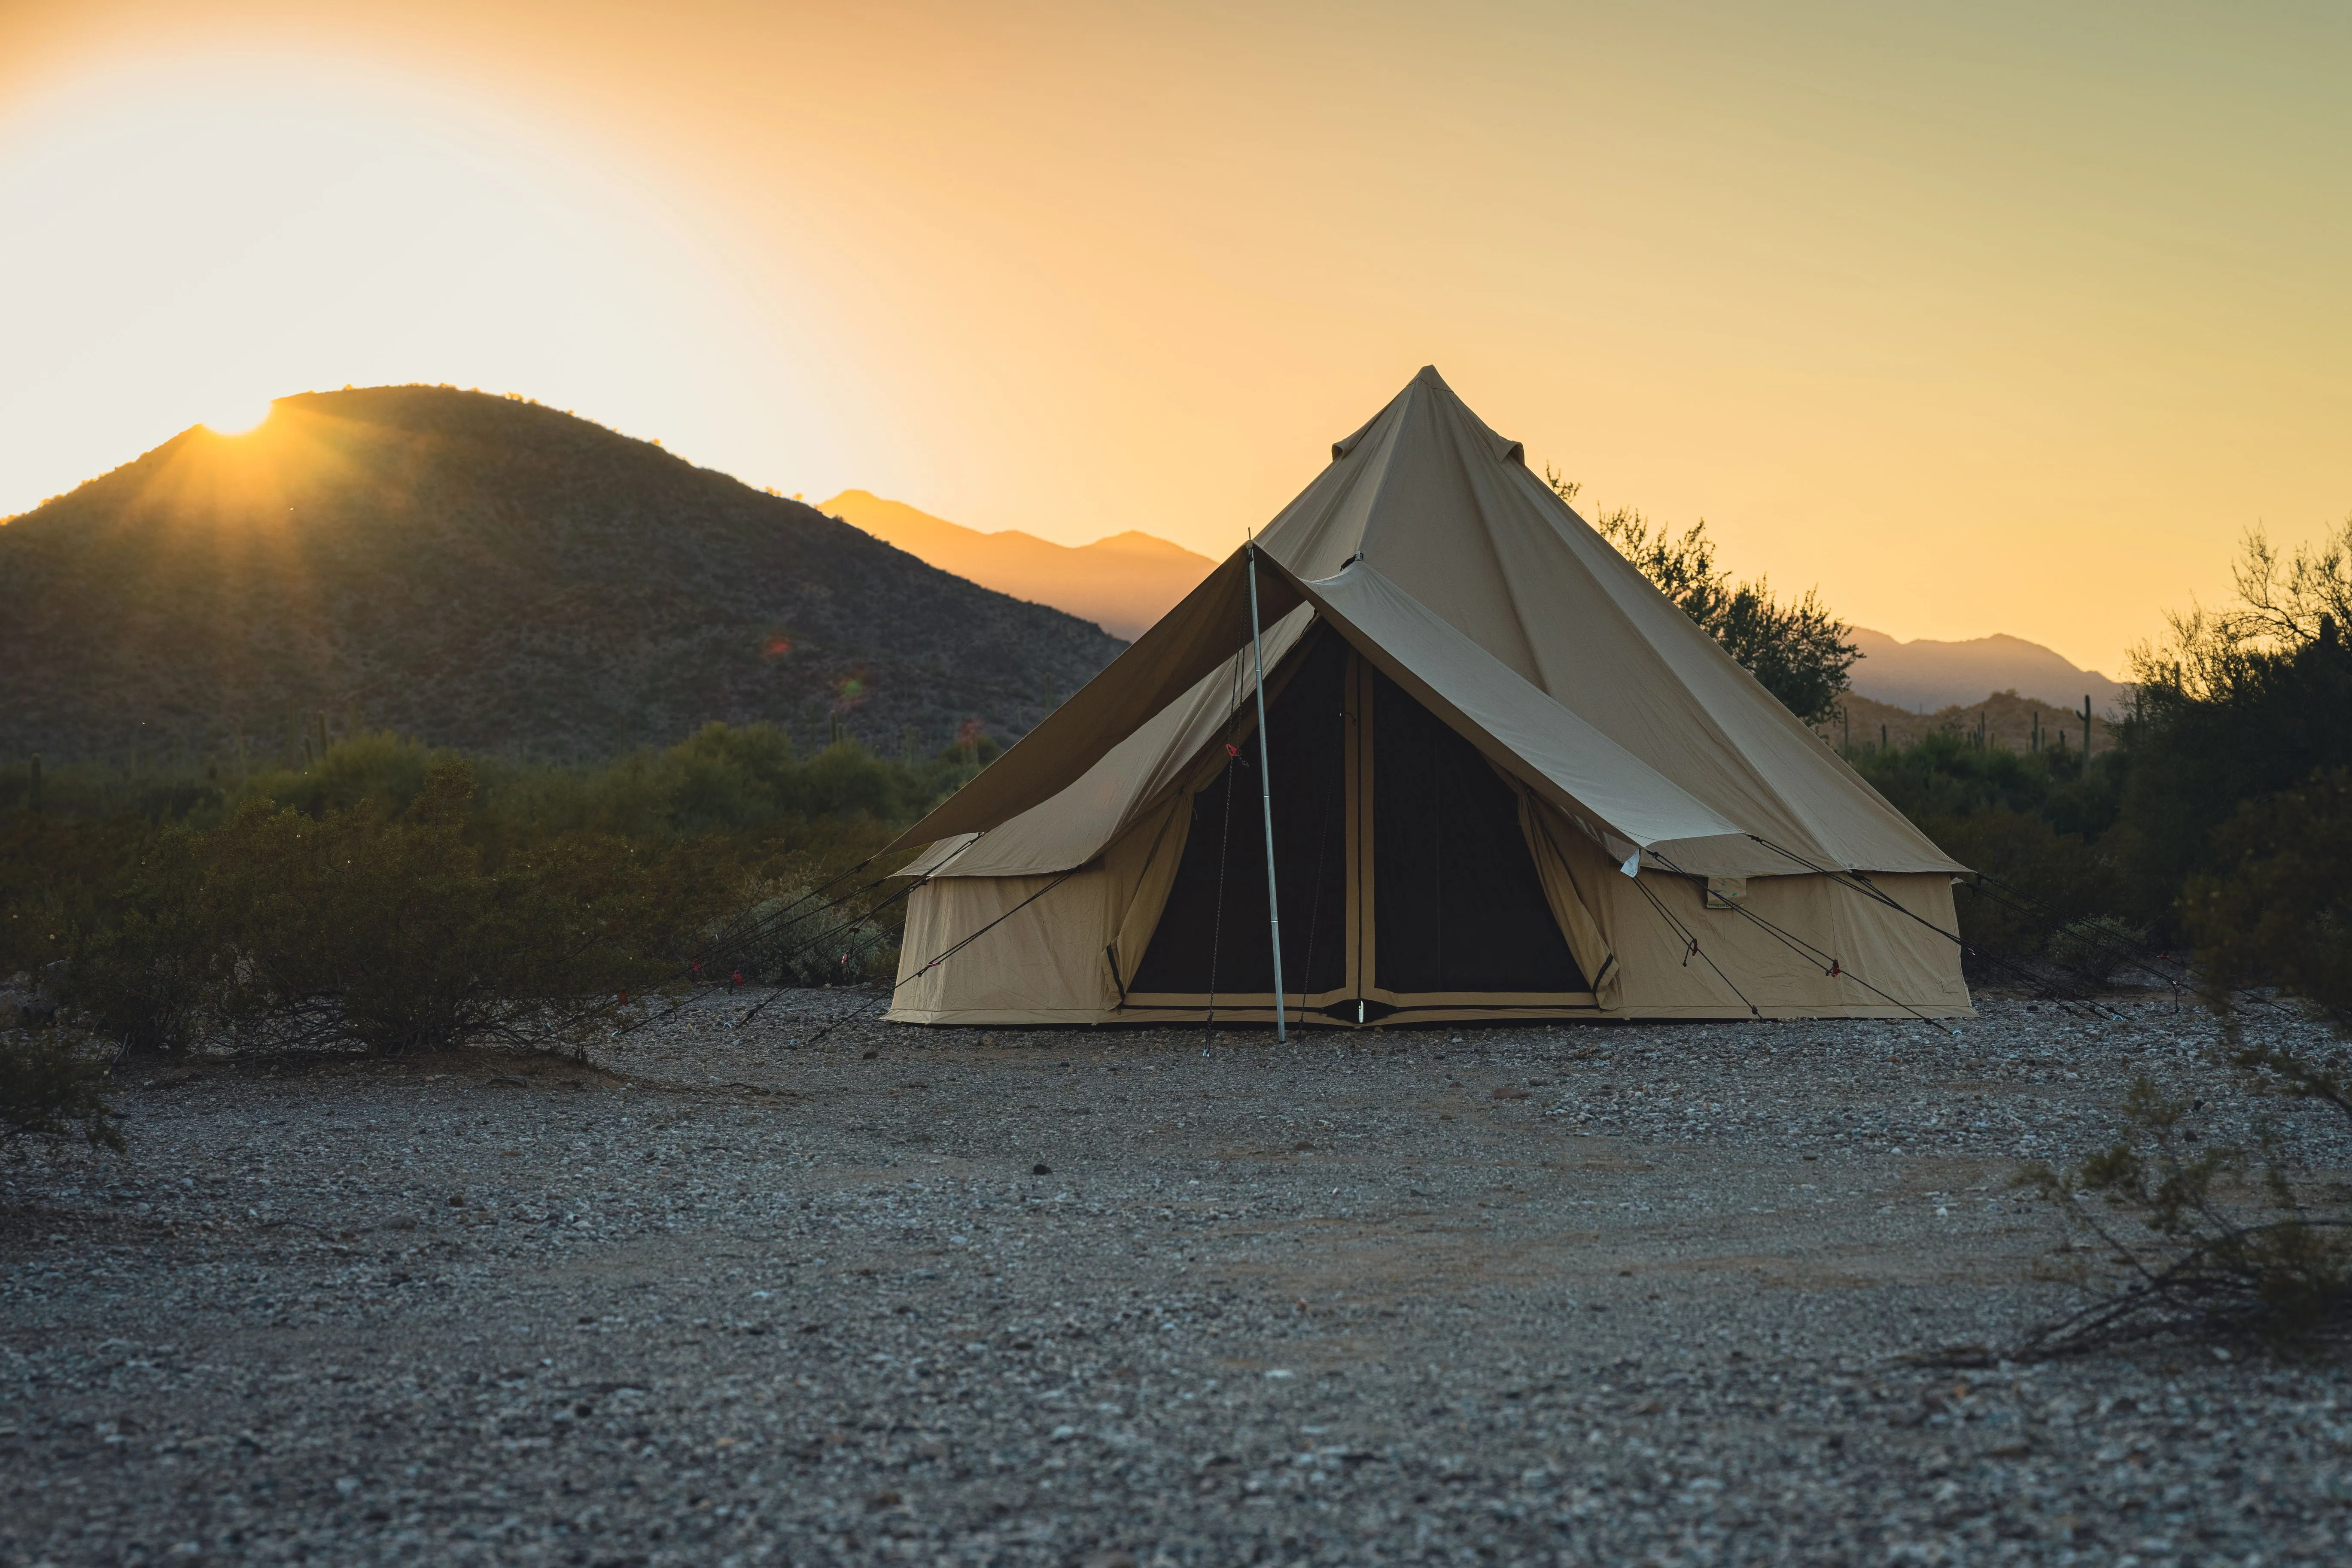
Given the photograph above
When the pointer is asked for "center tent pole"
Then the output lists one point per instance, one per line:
(1265, 797)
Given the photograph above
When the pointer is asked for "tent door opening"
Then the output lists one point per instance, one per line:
(1404, 877)
(1458, 912)
(1208, 937)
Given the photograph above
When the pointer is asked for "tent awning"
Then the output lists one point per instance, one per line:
(1525, 732)
(1160, 666)
(1518, 728)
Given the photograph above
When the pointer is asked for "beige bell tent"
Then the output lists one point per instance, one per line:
(1507, 779)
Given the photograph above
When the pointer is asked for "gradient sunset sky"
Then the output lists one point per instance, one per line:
(1983, 317)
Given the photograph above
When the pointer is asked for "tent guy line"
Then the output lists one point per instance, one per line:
(1266, 796)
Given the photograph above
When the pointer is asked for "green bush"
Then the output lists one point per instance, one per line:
(53, 1085)
(1947, 778)
(2279, 913)
(795, 938)
(57, 873)
(2194, 1238)
(389, 898)
(150, 974)
(2040, 879)
(362, 930)
(2096, 948)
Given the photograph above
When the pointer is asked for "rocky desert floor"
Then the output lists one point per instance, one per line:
(756, 1294)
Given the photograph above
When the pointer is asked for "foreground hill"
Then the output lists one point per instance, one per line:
(1926, 675)
(485, 572)
(1123, 582)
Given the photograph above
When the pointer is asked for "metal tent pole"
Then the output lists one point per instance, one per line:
(1265, 797)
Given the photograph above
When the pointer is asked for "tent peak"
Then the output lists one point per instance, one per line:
(1427, 383)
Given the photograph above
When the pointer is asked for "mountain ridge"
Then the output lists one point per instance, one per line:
(1928, 674)
(1099, 581)
(1123, 582)
(489, 573)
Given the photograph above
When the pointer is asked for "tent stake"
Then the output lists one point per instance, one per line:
(1265, 797)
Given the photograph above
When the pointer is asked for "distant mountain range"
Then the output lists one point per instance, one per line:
(485, 572)
(1122, 583)
(1927, 675)
(1129, 580)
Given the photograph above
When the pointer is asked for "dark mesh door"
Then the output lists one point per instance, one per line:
(1198, 942)
(1457, 905)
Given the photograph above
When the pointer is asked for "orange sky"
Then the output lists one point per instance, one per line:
(1983, 317)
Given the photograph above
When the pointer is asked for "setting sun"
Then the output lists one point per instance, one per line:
(238, 418)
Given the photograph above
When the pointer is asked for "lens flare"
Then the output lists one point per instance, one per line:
(237, 419)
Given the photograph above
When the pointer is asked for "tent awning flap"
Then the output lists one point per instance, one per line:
(1528, 733)
(1201, 633)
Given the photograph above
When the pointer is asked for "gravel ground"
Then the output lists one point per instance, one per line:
(1591, 1294)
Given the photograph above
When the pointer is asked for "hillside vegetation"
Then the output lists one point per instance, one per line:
(2004, 721)
(391, 897)
(487, 574)
(2214, 816)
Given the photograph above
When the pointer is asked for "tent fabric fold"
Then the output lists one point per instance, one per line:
(1153, 883)
(1560, 857)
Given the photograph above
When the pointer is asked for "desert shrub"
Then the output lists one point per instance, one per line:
(404, 899)
(2238, 705)
(149, 976)
(1948, 777)
(56, 874)
(792, 934)
(2040, 879)
(2096, 948)
(385, 769)
(2280, 912)
(2190, 1237)
(362, 930)
(52, 1085)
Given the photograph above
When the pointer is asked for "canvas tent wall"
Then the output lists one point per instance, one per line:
(1509, 779)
